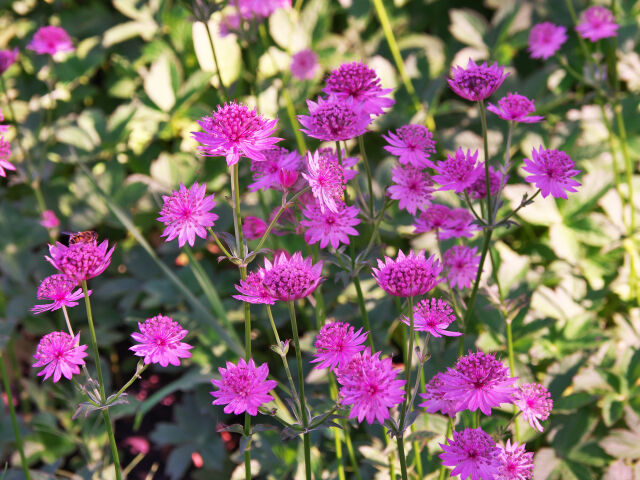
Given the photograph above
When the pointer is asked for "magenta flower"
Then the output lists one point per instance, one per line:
(186, 213)
(260, 8)
(369, 384)
(433, 218)
(304, 64)
(478, 381)
(545, 39)
(458, 224)
(434, 399)
(327, 180)
(329, 227)
(412, 188)
(535, 403)
(334, 119)
(515, 108)
(472, 454)
(5, 150)
(50, 40)
(60, 354)
(243, 387)
(235, 131)
(461, 264)
(412, 144)
(60, 289)
(266, 173)
(160, 341)
(253, 227)
(458, 172)
(478, 190)
(552, 172)
(360, 83)
(597, 22)
(49, 219)
(515, 462)
(80, 261)
(336, 343)
(7, 58)
(433, 316)
(293, 278)
(253, 289)
(476, 82)
(408, 275)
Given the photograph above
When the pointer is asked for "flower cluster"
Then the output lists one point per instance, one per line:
(160, 341)
(408, 275)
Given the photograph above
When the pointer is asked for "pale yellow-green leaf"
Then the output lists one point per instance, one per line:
(288, 31)
(157, 84)
(273, 61)
(543, 211)
(227, 51)
(468, 27)
(564, 242)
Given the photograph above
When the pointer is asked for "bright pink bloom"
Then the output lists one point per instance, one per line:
(5, 150)
(412, 188)
(461, 264)
(293, 278)
(287, 179)
(545, 39)
(458, 224)
(60, 289)
(235, 131)
(336, 343)
(243, 387)
(304, 64)
(50, 40)
(329, 227)
(266, 173)
(459, 171)
(334, 119)
(552, 172)
(160, 341)
(49, 219)
(478, 190)
(253, 289)
(137, 444)
(408, 275)
(60, 354)
(472, 454)
(515, 108)
(515, 462)
(434, 399)
(433, 218)
(535, 403)
(7, 58)
(369, 384)
(80, 261)
(253, 227)
(476, 82)
(597, 22)
(434, 316)
(412, 144)
(327, 180)
(260, 8)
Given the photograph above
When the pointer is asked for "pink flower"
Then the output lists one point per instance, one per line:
(433, 218)
(545, 39)
(361, 83)
(186, 213)
(597, 22)
(515, 462)
(304, 64)
(327, 180)
(235, 131)
(478, 190)
(433, 316)
(478, 381)
(434, 399)
(458, 172)
(60, 354)
(260, 8)
(266, 173)
(334, 119)
(461, 264)
(253, 227)
(80, 261)
(243, 387)
(476, 82)
(329, 227)
(458, 224)
(535, 403)
(472, 453)
(49, 219)
(50, 40)
(369, 384)
(293, 278)
(7, 58)
(253, 289)
(408, 275)
(5, 150)
(60, 289)
(412, 144)
(515, 108)
(552, 172)
(160, 341)
(412, 187)
(336, 343)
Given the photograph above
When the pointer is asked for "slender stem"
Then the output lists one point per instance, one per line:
(470, 205)
(225, 96)
(376, 227)
(408, 362)
(130, 382)
(476, 419)
(237, 221)
(505, 170)
(365, 161)
(522, 205)
(487, 178)
(339, 152)
(291, 113)
(363, 310)
(84, 367)
(512, 369)
(219, 243)
(292, 385)
(402, 457)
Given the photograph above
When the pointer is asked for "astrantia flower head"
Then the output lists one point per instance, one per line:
(252, 289)
(61, 290)
(5, 150)
(243, 387)
(291, 278)
(160, 341)
(535, 403)
(412, 144)
(476, 82)
(253, 227)
(50, 40)
(458, 224)
(327, 180)
(472, 454)
(515, 462)
(552, 172)
(186, 213)
(336, 343)
(433, 218)
(334, 119)
(515, 108)
(597, 22)
(369, 384)
(478, 190)
(408, 275)
(60, 354)
(459, 171)
(235, 131)
(80, 261)
(7, 58)
(434, 399)
(361, 83)
(329, 227)
(304, 64)
(412, 187)
(461, 265)
(266, 174)
(545, 39)
(49, 219)
(434, 316)
(478, 381)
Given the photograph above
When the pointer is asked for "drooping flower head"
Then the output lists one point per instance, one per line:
(433, 218)
(408, 275)
(327, 180)
(266, 174)
(253, 290)
(60, 290)
(186, 213)
(458, 224)
(478, 190)
(7, 58)
(160, 341)
(60, 354)
(243, 387)
(334, 119)
(597, 22)
(50, 40)
(292, 278)
(412, 188)
(535, 403)
(459, 171)
(80, 261)
(552, 172)
(336, 343)
(361, 83)
(304, 64)
(413, 144)
(329, 227)
(515, 108)
(434, 399)
(49, 219)
(233, 131)
(545, 39)
(461, 265)
(5, 150)
(515, 462)
(369, 384)
(476, 82)
(472, 454)
(253, 227)
(434, 316)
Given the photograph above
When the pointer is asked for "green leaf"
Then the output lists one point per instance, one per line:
(612, 409)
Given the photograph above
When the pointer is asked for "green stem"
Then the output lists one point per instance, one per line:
(512, 369)
(507, 167)
(219, 243)
(402, 457)
(407, 368)
(291, 113)
(363, 311)
(237, 221)
(476, 419)
(130, 382)
(292, 385)
(365, 161)
(483, 121)
(225, 96)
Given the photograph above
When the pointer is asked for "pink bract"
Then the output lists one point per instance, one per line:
(49, 219)
(326, 177)
(160, 341)
(336, 343)
(408, 275)
(545, 39)
(597, 22)
(60, 354)
(515, 108)
(266, 173)
(433, 218)
(7, 58)
(80, 261)
(434, 399)
(459, 171)
(458, 224)
(334, 119)
(433, 316)
(551, 171)
(413, 145)
(461, 265)
(304, 64)
(253, 227)
(293, 278)
(472, 454)
(329, 227)
(412, 188)
(50, 40)
(535, 403)
(253, 290)
(515, 462)
(61, 290)
(476, 82)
